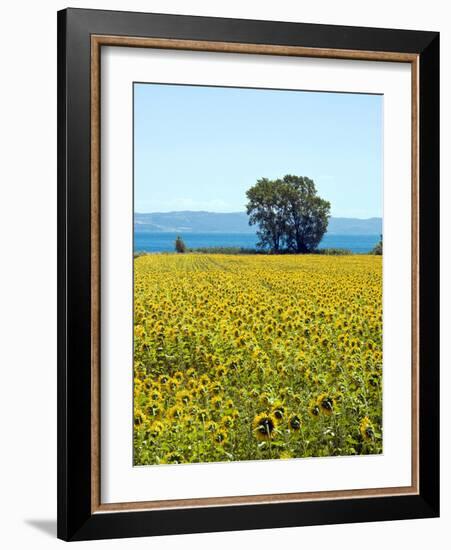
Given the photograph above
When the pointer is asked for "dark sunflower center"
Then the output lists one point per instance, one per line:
(295, 423)
(327, 404)
(369, 432)
(266, 426)
(175, 458)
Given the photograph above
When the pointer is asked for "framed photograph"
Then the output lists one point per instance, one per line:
(248, 274)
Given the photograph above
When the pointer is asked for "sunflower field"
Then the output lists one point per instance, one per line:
(245, 357)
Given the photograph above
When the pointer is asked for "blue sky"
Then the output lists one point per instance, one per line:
(201, 148)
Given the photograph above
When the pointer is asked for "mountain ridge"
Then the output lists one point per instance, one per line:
(188, 221)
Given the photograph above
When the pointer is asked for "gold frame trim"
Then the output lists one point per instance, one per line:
(97, 41)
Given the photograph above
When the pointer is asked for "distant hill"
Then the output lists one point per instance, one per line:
(237, 222)
(354, 226)
(193, 222)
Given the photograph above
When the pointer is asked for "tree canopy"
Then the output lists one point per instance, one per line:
(180, 245)
(378, 249)
(289, 214)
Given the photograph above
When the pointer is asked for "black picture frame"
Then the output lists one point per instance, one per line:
(76, 521)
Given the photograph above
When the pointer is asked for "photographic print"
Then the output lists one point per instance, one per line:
(257, 274)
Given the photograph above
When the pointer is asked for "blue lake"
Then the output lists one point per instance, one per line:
(164, 242)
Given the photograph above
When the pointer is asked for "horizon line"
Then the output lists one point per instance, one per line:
(242, 212)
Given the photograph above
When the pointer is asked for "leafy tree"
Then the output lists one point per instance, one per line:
(289, 213)
(307, 214)
(266, 208)
(180, 245)
(377, 250)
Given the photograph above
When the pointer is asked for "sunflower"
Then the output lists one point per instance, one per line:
(227, 421)
(314, 410)
(295, 422)
(139, 418)
(184, 396)
(139, 331)
(366, 429)
(221, 370)
(163, 379)
(192, 385)
(229, 404)
(241, 342)
(264, 426)
(235, 413)
(326, 403)
(283, 372)
(211, 426)
(264, 399)
(216, 388)
(153, 409)
(220, 436)
(155, 394)
(191, 372)
(188, 421)
(173, 458)
(216, 403)
(147, 384)
(233, 364)
(278, 410)
(155, 429)
(374, 380)
(173, 384)
(175, 412)
(285, 392)
(178, 375)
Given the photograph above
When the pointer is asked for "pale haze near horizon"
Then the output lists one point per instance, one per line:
(200, 148)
